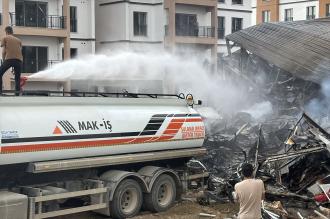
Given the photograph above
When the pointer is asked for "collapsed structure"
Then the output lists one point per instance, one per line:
(286, 64)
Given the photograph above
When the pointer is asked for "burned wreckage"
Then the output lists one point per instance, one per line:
(286, 64)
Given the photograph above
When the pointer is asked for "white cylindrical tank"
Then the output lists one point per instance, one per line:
(52, 128)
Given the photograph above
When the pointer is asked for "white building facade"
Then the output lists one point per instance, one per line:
(233, 15)
(115, 25)
(82, 24)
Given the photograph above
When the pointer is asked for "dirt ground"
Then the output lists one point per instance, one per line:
(182, 210)
(191, 210)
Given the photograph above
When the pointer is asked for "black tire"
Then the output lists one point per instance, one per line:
(127, 200)
(162, 195)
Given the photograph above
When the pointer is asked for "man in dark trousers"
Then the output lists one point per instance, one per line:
(11, 56)
(249, 193)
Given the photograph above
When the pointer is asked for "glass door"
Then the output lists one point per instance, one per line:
(19, 14)
(42, 14)
(42, 53)
(30, 59)
(30, 13)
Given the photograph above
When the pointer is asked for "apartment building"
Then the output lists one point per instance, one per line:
(50, 30)
(233, 15)
(180, 26)
(82, 27)
(289, 10)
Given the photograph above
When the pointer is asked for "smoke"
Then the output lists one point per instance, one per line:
(260, 110)
(186, 75)
(319, 108)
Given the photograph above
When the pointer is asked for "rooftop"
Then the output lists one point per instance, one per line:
(299, 47)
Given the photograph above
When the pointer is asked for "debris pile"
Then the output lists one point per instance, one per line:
(291, 156)
(290, 151)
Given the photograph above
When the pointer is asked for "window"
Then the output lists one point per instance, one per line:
(73, 19)
(35, 58)
(30, 14)
(221, 1)
(236, 24)
(288, 13)
(327, 10)
(140, 23)
(237, 2)
(265, 16)
(310, 13)
(73, 53)
(186, 24)
(221, 27)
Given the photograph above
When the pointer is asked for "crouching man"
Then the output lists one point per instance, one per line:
(249, 193)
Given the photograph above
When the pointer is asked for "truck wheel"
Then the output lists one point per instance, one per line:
(127, 200)
(162, 195)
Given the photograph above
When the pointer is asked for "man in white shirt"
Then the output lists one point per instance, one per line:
(249, 193)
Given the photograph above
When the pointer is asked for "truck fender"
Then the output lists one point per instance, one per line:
(151, 173)
(113, 178)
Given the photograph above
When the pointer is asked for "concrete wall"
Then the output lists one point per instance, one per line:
(228, 5)
(111, 19)
(84, 47)
(84, 38)
(254, 12)
(129, 46)
(86, 19)
(115, 27)
(155, 22)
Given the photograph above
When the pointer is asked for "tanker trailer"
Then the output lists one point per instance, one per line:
(118, 152)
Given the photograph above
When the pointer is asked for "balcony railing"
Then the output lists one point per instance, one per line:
(50, 21)
(197, 31)
(51, 63)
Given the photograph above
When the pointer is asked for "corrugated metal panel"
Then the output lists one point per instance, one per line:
(301, 47)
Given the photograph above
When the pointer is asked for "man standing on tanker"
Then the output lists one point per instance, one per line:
(11, 56)
(249, 193)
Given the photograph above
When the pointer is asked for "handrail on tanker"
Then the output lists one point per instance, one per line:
(87, 94)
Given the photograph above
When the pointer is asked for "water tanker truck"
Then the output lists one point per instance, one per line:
(108, 153)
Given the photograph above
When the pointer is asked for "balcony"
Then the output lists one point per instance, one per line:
(192, 34)
(198, 31)
(50, 21)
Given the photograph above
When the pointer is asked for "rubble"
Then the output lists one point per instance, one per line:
(291, 155)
